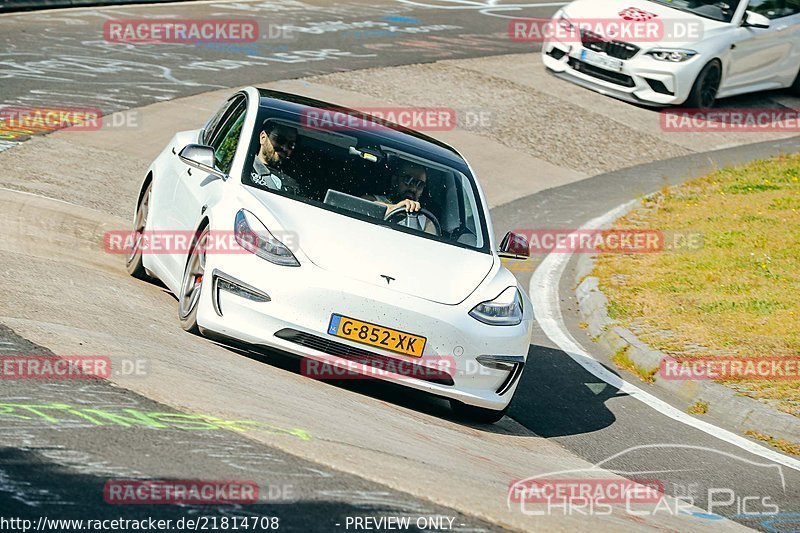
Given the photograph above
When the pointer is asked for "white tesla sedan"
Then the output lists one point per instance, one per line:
(360, 244)
(703, 50)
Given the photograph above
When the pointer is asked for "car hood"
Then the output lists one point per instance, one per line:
(359, 250)
(607, 10)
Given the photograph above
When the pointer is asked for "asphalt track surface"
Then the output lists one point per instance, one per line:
(55, 470)
(61, 57)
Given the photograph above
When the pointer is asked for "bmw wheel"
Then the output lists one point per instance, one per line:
(704, 91)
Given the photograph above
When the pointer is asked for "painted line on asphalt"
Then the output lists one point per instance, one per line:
(543, 291)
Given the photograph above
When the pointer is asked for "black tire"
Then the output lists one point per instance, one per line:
(704, 90)
(795, 88)
(476, 414)
(133, 262)
(189, 297)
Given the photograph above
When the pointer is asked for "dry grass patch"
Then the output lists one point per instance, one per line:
(624, 361)
(738, 294)
(698, 408)
(781, 444)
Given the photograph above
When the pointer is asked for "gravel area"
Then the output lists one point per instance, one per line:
(521, 118)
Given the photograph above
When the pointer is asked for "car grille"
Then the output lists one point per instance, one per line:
(363, 357)
(602, 74)
(617, 49)
(556, 53)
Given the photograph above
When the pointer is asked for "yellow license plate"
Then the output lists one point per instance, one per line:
(374, 335)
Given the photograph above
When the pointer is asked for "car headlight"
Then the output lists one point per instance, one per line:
(563, 21)
(254, 237)
(672, 55)
(505, 310)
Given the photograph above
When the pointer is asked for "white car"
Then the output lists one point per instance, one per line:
(736, 47)
(323, 264)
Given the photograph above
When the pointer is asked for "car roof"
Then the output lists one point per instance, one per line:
(390, 131)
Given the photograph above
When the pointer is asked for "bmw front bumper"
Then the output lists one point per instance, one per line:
(642, 79)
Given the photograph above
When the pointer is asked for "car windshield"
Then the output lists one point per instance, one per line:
(364, 173)
(721, 11)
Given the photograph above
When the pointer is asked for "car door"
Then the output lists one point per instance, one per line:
(761, 58)
(195, 190)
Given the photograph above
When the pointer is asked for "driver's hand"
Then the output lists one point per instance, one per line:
(410, 206)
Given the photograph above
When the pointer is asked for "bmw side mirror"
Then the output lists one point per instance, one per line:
(514, 246)
(201, 157)
(755, 20)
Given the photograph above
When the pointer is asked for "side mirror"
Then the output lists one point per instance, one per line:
(514, 246)
(201, 157)
(755, 20)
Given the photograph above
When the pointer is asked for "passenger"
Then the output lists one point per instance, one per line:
(277, 142)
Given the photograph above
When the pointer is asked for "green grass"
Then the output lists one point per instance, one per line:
(738, 294)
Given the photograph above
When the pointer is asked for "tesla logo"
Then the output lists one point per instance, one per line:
(388, 279)
(636, 14)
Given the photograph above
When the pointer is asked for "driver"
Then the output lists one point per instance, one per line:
(407, 184)
(277, 143)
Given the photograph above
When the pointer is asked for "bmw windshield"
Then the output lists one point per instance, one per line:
(720, 11)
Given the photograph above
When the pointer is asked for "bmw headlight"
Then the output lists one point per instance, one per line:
(254, 237)
(672, 55)
(563, 21)
(505, 310)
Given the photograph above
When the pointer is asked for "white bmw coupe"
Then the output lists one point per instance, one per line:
(701, 50)
(355, 243)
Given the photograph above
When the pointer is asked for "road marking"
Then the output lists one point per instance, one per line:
(544, 295)
(596, 388)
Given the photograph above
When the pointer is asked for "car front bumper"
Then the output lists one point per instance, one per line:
(642, 80)
(291, 309)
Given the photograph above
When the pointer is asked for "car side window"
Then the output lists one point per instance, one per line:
(213, 123)
(775, 9)
(227, 139)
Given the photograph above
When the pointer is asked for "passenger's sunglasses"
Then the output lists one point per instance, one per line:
(283, 141)
(412, 181)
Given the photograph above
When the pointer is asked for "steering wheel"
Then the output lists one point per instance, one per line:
(400, 216)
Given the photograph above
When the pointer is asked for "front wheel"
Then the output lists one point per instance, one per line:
(795, 88)
(133, 263)
(476, 414)
(192, 285)
(704, 90)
